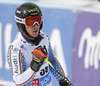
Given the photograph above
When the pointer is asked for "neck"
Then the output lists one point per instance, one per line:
(35, 40)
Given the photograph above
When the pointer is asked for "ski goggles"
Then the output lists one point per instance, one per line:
(29, 21)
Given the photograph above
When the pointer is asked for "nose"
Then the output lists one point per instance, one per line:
(35, 25)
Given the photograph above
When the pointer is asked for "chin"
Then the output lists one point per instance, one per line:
(35, 36)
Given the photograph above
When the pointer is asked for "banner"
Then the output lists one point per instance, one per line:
(86, 56)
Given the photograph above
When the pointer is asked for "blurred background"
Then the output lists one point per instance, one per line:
(74, 30)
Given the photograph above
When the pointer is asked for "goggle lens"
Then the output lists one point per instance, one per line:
(29, 21)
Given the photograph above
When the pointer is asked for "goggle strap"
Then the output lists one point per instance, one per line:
(19, 20)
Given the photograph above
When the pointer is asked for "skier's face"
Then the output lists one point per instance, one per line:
(33, 30)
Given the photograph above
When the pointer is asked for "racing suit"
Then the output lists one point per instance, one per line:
(19, 57)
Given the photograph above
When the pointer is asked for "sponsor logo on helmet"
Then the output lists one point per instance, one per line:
(18, 11)
(33, 10)
(33, 13)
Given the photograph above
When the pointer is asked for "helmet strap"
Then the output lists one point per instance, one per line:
(28, 36)
(32, 40)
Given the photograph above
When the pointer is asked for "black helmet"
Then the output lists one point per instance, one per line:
(25, 10)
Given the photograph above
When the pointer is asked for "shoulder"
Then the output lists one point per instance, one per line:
(43, 34)
(17, 42)
(45, 41)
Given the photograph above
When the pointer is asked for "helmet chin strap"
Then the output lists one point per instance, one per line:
(34, 40)
(28, 36)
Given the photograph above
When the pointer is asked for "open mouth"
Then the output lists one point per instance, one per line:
(35, 31)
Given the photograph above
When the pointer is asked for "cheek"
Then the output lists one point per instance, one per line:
(29, 30)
